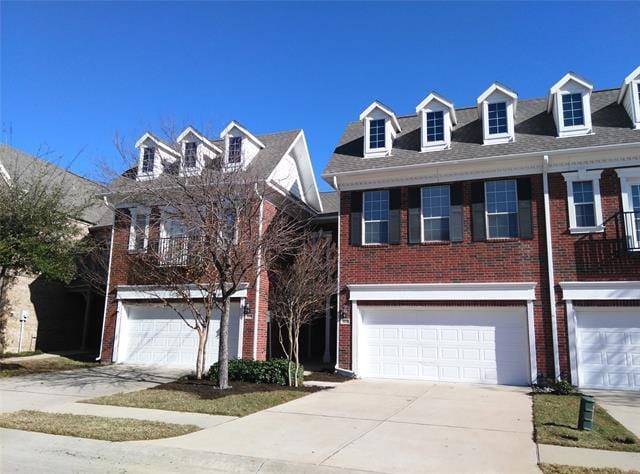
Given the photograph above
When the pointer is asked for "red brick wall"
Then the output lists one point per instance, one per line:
(512, 260)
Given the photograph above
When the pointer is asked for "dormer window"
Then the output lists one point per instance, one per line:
(380, 128)
(497, 111)
(148, 160)
(629, 97)
(437, 117)
(497, 118)
(377, 134)
(235, 150)
(190, 154)
(570, 102)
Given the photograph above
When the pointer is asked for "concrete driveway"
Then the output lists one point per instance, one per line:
(623, 406)
(45, 391)
(386, 426)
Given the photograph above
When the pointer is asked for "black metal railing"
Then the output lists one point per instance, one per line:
(628, 229)
(178, 251)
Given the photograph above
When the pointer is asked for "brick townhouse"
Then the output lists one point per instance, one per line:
(498, 243)
(137, 328)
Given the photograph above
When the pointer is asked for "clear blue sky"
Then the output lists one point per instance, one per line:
(74, 74)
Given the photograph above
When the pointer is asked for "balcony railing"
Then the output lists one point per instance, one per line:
(177, 251)
(628, 229)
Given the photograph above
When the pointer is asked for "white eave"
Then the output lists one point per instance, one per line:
(625, 84)
(570, 76)
(233, 124)
(386, 110)
(164, 146)
(496, 86)
(434, 96)
(200, 137)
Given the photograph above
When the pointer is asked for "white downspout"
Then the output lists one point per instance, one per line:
(337, 366)
(550, 271)
(256, 310)
(106, 293)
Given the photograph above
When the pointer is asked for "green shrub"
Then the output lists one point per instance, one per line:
(274, 371)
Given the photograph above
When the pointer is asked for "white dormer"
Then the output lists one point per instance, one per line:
(239, 144)
(570, 102)
(380, 128)
(152, 154)
(437, 118)
(497, 110)
(195, 149)
(629, 96)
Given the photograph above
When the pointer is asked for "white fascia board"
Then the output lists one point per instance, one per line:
(600, 290)
(443, 291)
(625, 83)
(496, 86)
(570, 76)
(200, 137)
(377, 105)
(148, 292)
(304, 164)
(437, 97)
(164, 146)
(233, 124)
(4, 174)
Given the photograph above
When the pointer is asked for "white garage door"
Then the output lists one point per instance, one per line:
(152, 334)
(608, 348)
(475, 345)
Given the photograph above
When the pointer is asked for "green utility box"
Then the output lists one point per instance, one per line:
(585, 417)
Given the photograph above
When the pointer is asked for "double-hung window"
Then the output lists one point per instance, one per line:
(148, 159)
(174, 242)
(572, 112)
(190, 154)
(497, 118)
(635, 212)
(435, 126)
(377, 134)
(584, 203)
(502, 208)
(376, 217)
(235, 149)
(436, 203)
(139, 232)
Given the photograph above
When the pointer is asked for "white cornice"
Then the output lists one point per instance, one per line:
(600, 290)
(516, 291)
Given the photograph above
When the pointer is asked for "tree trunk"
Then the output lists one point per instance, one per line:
(203, 337)
(223, 350)
(297, 354)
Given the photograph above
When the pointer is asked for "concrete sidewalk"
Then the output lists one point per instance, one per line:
(595, 458)
(624, 406)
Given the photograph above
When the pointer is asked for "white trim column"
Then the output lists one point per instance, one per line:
(531, 329)
(326, 357)
(356, 318)
(572, 325)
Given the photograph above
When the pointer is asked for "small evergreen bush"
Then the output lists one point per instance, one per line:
(274, 371)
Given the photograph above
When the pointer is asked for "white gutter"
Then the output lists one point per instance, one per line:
(337, 366)
(486, 158)
(106, 293)
(256, 302)
(550, 271)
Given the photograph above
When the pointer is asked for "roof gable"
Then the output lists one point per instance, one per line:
(635, 74)
(497, 87)
(384, 109)
(433, 96)
(190, 130)
(158, 142)
(233, 124)
(568, 77)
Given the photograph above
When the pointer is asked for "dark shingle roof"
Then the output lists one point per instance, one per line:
(78, 189)
(329, 202)
(535, 132)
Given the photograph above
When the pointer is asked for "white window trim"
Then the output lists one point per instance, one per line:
(497, 138)
(436, 145)
(134, 212)
(594, 177)
(629, 177)
(376, 152)
(635, 98)
(197, 168)
(362, 230)
(486, 212)
(143, 175)
(422, 218)
(573, 130)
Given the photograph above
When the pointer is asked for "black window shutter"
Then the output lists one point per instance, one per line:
(525, 219)
(414, 215)
(356, 218)
(456, 214)
(477, 210)
(394, 216)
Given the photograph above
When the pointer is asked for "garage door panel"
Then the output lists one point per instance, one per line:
(608, 348)
(464, 345)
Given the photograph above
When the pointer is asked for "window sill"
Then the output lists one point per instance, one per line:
(375, 245)
(435, 242)
(503, 239)
(586, 230)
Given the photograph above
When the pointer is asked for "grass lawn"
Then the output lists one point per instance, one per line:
(555, 418)
(203, 397)
(558, 469)
(39, 366)
(6, 355)
(93, 427)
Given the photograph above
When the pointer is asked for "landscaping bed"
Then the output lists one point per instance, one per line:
(7, 355)
(202, 396)
(561, 469)
(555, 421)
(92, 427)
(39, 366)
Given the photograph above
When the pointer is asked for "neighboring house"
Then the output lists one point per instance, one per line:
(44, 314)
(137, 329)
(498, 243)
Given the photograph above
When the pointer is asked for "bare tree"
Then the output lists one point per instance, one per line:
(301, 287)
(204, 236)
